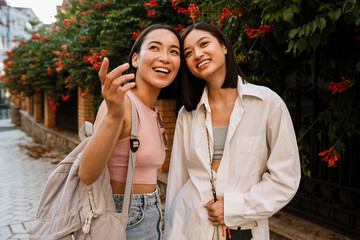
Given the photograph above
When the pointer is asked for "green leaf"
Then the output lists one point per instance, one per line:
(314, 41)
(302, 31)
(334, 15)
(290, 46)
(349, 6)
(312, 26)
(320, 23)
(292, 33)
(325, 6)
(288, 14)
(307, 29)
(301, 44)
(295, 8)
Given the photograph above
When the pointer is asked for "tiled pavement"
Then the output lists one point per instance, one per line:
(22, 180)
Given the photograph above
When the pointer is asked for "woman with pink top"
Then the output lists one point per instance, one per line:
(154, 63)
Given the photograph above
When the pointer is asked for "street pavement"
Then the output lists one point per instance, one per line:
(22, 180)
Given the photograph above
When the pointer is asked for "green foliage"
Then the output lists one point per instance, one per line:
(271, 38)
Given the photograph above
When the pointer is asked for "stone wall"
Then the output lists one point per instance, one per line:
(63, 141)
(15, 114)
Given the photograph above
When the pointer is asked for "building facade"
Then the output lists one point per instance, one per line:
(14, 21)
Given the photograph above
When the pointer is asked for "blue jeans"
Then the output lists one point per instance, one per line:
(145, 215)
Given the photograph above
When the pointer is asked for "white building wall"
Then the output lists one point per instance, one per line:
(14, 22)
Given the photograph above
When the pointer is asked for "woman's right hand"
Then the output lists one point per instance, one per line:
(112, 90)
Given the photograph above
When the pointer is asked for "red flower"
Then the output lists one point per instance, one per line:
(97, 6)
(83, 94)
(57, 53)
(249, 32)
(183, 10)
(150, 4)
(94, 59)
(174, 4)
(64, 98)
(225, 14)
(151, 13)
(260, 32)
(34, 37)
(9, 54)
(97, 66)
(265, 28)
(86, 12)
(83, 37)
(5, 79)
(65, 54)
(135, 35)
(194, 10)
(52, 104)
(24, 77)
(49, 71)
(180, 28)
(68, 22)
(341, 86)
(8, 63)
(330, 156)
(104, 52)
(42, 38)
(54, 30)
(59, 65)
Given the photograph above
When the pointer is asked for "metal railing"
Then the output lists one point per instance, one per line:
(331, 197)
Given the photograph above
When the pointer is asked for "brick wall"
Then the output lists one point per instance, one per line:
(167, 110)
(85, 108)
(38, 103)
(30, 105)
(49, 112)
(23, 103)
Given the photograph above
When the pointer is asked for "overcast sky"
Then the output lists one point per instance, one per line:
(45, 10)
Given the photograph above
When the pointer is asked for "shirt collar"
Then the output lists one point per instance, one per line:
(244, 89)
(248, 89)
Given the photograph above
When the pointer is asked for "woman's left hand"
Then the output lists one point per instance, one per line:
(216, 211)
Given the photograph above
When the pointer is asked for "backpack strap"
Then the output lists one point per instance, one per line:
(134, 145)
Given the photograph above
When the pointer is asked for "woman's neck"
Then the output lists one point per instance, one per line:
(223, 96)
(147, 96)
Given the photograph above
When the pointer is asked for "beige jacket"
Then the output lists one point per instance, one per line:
(258, 175)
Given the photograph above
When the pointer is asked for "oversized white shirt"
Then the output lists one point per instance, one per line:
(259, 172)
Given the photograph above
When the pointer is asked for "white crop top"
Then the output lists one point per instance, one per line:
(219, 141)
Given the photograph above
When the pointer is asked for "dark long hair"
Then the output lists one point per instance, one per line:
(193, 87)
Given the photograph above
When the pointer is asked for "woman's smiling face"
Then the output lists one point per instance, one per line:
(205, 55)
(158, 61)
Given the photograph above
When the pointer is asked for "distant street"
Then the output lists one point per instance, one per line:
(24, 169)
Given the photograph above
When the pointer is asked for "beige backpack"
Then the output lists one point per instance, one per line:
(70, 209)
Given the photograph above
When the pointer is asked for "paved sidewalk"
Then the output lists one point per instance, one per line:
(22, 179)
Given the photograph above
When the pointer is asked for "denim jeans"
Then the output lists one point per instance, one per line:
(145, 215)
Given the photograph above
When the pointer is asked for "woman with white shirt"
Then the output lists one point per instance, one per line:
(234, 159)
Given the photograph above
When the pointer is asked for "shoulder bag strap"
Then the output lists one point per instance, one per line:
(134, 145)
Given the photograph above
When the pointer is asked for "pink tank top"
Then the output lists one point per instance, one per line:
(150, 155)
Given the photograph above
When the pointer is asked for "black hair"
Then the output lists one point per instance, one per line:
(193, 87)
